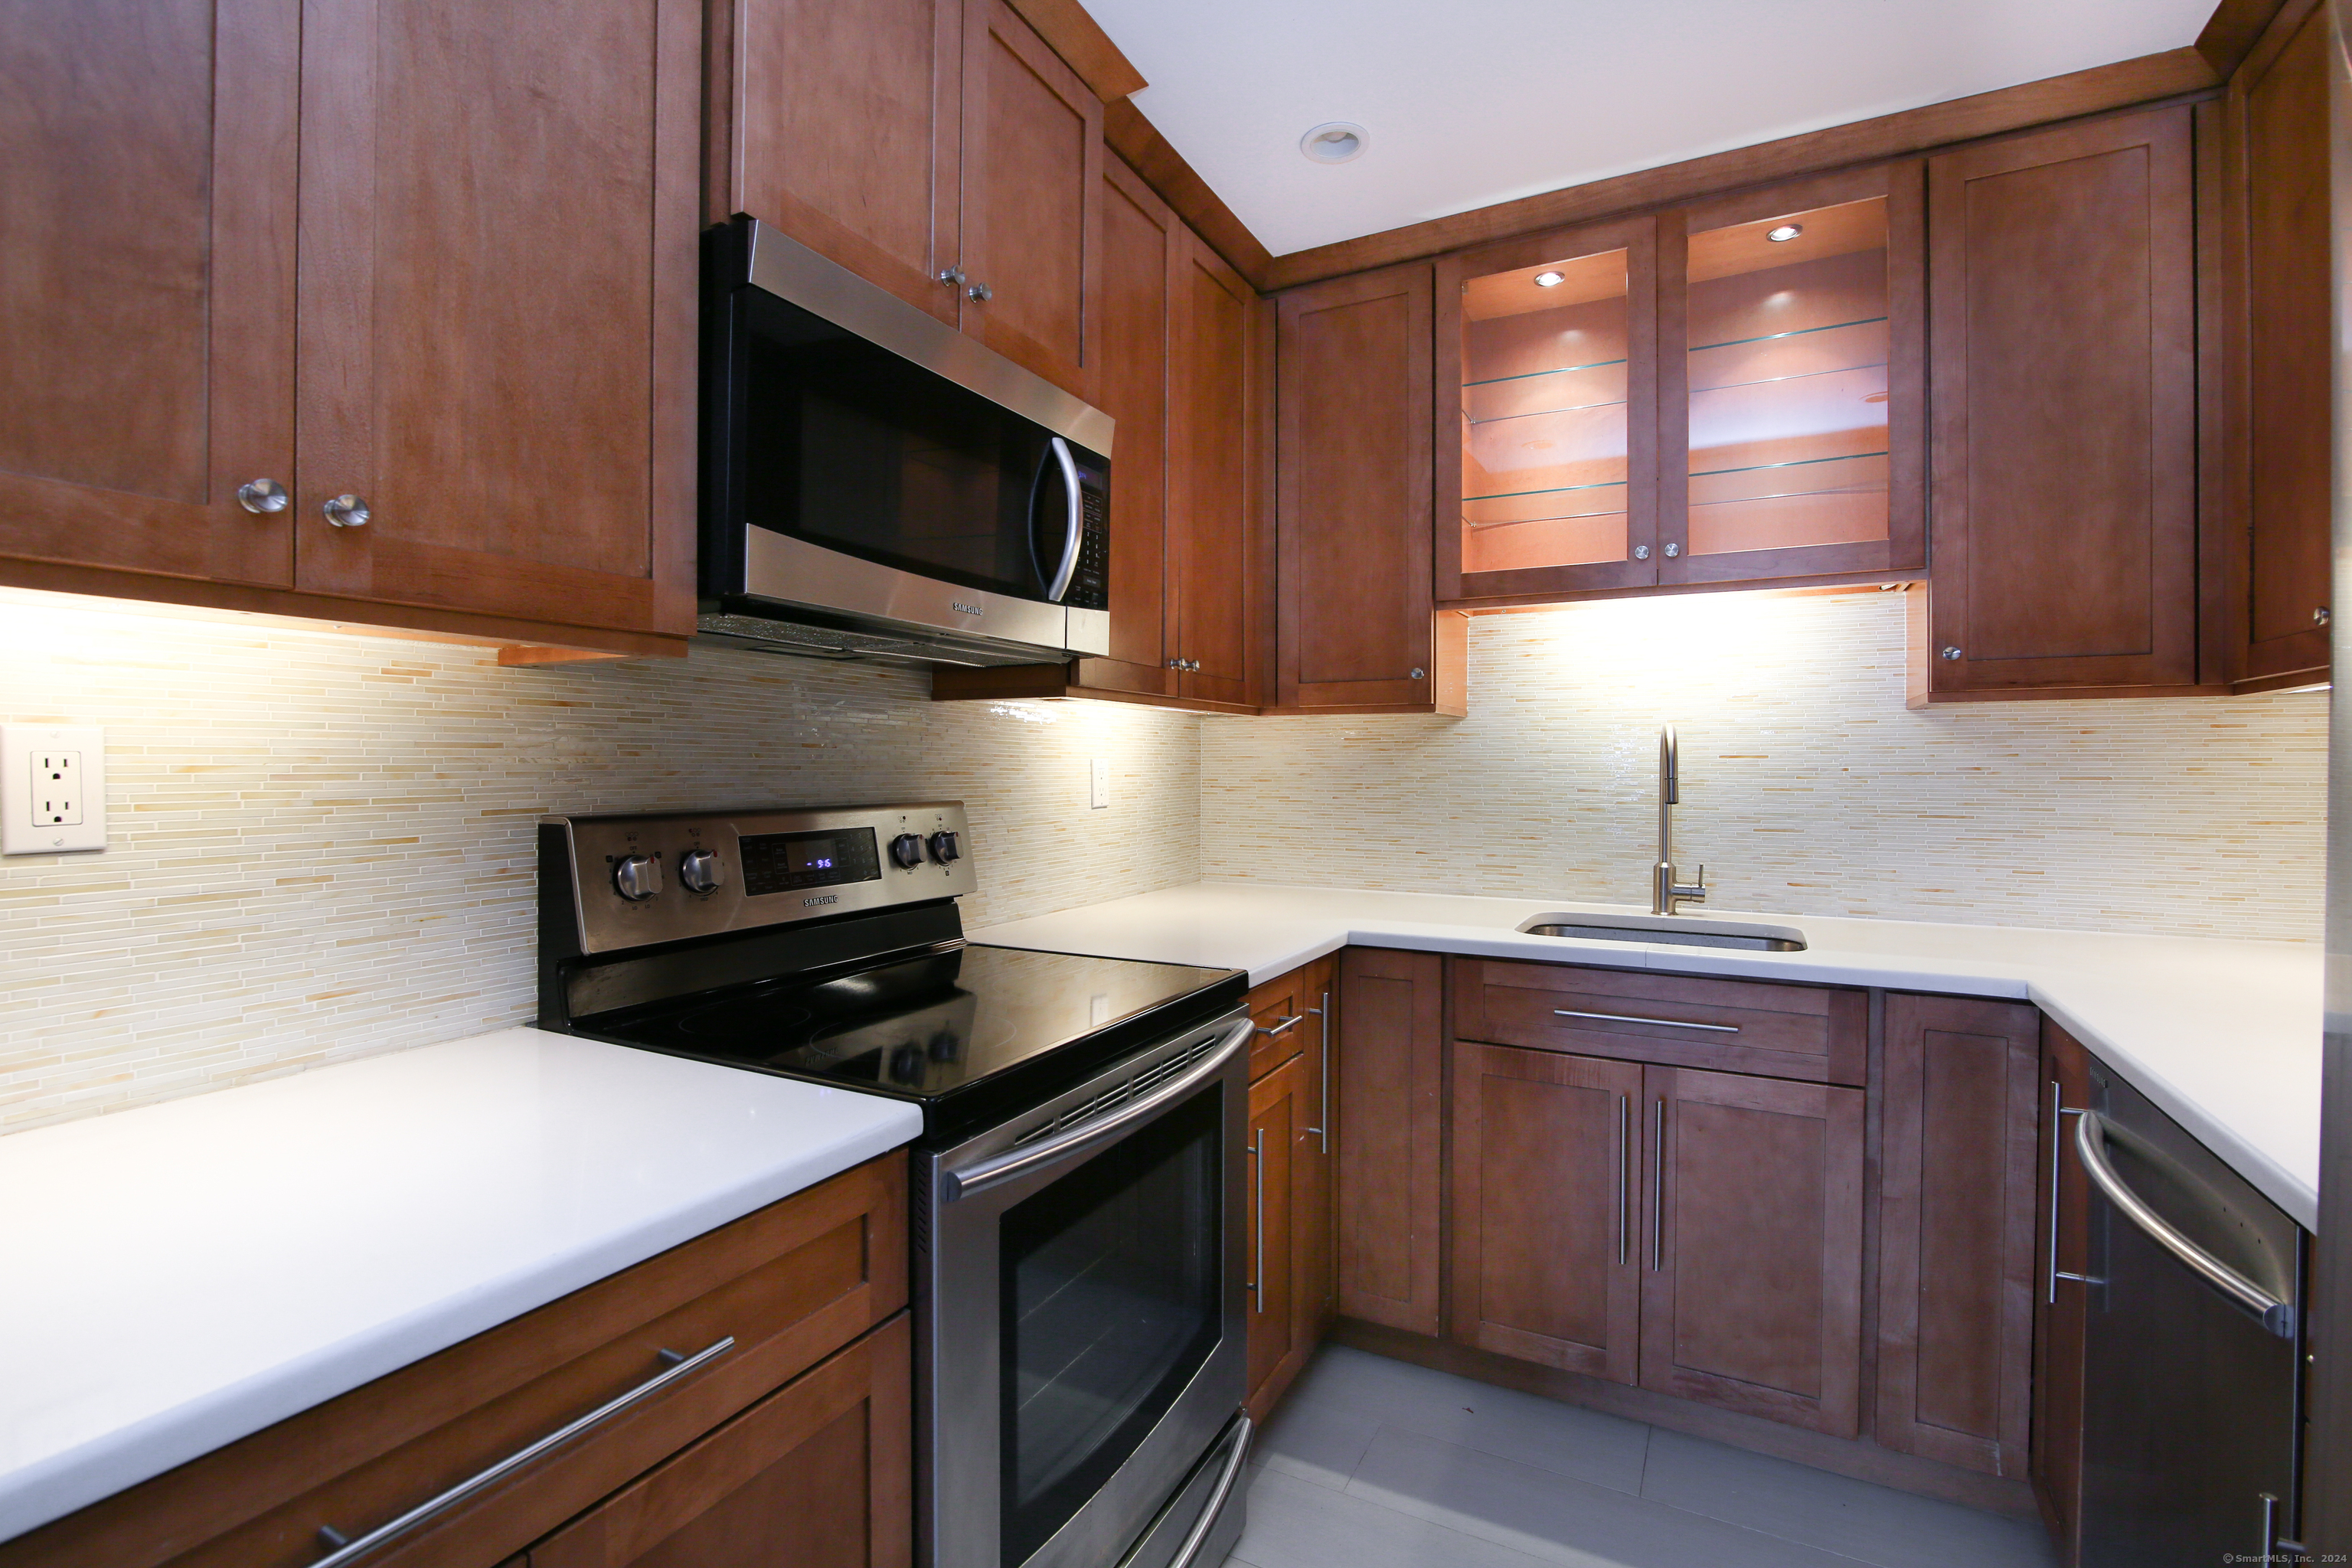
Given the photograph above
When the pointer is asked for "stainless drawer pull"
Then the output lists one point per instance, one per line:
(1323, 1103)
(680, 1367)
(1256, 1286)
(1661, 1023)
(2092, 1131)
(1624, 1153)
(1286, 1026)
(1657, 1185)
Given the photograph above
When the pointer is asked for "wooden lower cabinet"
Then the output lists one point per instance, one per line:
(2060, 1297)
(1388, 1080)
(1547, 1191)
(1956, 1248)
(817, 1475)
(1751, 1298)
(792, 1284)
(1289, 1214)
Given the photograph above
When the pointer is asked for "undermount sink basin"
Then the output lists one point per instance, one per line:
(1675, 929)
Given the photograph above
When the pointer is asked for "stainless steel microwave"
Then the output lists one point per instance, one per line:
(877, 484)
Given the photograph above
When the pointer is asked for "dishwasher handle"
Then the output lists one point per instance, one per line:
(2092, 1131)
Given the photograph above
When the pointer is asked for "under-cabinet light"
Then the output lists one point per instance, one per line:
(1785, 232)
(1549, 279)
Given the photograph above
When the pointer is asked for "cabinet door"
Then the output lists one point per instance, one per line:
(1214, 433)
(2277, 243)
(1752, 1295)
(817, 1475)
(1391, 1060)
(1956, 1227)
(1355, 486)
(147, 284)
(497, 306)
(1546, 370)
(1141, 249)
(1275, 1351)
(1793, 387)
(1546, 1150)
(2061, 1295)
(2062, 270)
(1032, 152)
(845, 119)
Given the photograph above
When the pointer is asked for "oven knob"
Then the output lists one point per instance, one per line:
(636, 878)
(906, 851)
(701, 871)
(943, 848)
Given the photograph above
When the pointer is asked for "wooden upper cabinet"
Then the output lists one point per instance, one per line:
(147, 284)
(845, 121)
(1956, 1251)
(1356, 628)
(1792, 402)
(522, 437)
(2277, 292)
(1391, 1060)
(1546, 1193)
(1752, 1281)
(1546, 376)
(1213, 436)
(1143, 249)
(2063, 356)
(1032, 174)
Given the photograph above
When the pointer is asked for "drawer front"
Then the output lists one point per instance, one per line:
(1815, 1033)
(789, 1284)
(1288, 1012)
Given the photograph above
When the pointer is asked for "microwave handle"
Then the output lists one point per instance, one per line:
(1060, 450)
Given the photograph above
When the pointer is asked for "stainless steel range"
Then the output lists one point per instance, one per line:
(1078, 1281)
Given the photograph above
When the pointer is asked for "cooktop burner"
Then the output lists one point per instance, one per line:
(931, 1026)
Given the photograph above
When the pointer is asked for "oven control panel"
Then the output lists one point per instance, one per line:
(639, 880)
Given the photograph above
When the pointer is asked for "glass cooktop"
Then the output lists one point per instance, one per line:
(934, 1027)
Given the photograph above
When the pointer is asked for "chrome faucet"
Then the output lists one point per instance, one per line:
(1664, 891)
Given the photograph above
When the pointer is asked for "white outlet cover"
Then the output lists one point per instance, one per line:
(1099, 783)
(74, 781)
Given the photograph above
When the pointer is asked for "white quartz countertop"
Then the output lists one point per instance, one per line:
(176, 1277)
(2225, 1035)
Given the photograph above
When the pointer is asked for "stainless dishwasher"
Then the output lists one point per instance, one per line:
(2192, 1389)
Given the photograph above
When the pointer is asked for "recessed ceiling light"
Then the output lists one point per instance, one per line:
(1785, 232)
(1548, 280)
(1335, 142)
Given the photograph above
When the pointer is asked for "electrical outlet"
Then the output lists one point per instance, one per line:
(1099, 783)
(52, 788)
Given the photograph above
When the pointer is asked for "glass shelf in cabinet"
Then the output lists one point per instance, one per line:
(1531, 375)
(1792, 463)
(1794, 332)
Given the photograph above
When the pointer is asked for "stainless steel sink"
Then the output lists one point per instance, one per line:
(1675, 931)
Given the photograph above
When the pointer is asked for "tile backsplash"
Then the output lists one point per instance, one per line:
(322, 845)
(1808, 787)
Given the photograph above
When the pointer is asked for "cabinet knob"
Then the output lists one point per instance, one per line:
(1672, 551)
(953, 277)
(1641, 553)
(980, 292)
(1418, 672)
(2320, 616)
(346, 511)
(1951, 653)
(261, 496)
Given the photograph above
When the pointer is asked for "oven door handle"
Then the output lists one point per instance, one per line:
(2092, 1131)
(1012, 1163)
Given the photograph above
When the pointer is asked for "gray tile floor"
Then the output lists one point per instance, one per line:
(1374, 1463)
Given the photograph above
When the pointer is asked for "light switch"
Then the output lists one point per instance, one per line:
(52, 788)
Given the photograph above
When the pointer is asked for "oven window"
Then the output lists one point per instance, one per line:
(1112, 1295)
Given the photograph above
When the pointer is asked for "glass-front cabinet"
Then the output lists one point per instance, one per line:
(1727, 393)
(1546, 359)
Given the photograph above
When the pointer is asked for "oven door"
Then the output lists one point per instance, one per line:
(1080, 1322)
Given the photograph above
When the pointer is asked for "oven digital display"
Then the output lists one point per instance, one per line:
(783, 862)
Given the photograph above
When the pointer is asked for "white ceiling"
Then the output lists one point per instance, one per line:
(1478, 102)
